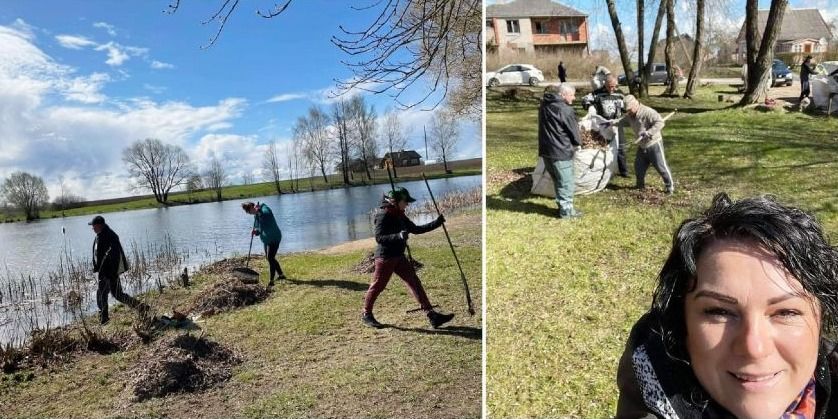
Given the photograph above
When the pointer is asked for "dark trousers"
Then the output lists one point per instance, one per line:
(110, 284)
(621, 158)
(654, 156)
(384, 269)
(270, 254)
(804, 89)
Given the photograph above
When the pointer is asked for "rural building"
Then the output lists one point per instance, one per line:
(803, 32)
(535, 26)
(402, 159)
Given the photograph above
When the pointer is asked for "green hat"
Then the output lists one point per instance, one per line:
(400, 194)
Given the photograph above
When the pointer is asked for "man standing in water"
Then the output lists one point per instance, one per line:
(109, 261)
(265, 227)
(392, 228)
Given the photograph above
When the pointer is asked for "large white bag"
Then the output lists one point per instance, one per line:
(593, 167)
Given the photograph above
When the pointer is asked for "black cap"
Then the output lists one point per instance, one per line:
(97, 220)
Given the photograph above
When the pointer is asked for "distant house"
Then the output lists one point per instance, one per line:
(357, 165)
(404, 158)
(535, 26)
(803, 32)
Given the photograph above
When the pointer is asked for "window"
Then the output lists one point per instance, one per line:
(568, 27)
(512, 26)
(661, 68)
(540, 26)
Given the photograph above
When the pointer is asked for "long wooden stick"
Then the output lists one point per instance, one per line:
(447, 236)
(393, 188)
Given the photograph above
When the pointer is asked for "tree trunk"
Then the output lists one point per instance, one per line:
(395, 175)
(325, 178)
(672, 88)
(218, 194)
(759, 61)
(644, 87)
(445, 162)
(692, 80)
(621, 45)
(640, 25)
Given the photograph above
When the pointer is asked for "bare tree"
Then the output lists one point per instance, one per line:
(156, 166)
(650, 60)
(394, 135)
(409, 41)
(621, 44)
(340, 119)
(444, 132)
(26, 192)
(759, 55)
(313, 129)
(193, 184)
(271, 165)
(299, 157)
(692, 80)
(216, 177)
(248, 178)
(364, 129)
(672, 88)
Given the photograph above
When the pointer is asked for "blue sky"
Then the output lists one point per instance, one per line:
(87, 78)
(727, 14)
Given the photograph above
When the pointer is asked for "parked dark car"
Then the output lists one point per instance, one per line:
(781, 73)
(657, 76)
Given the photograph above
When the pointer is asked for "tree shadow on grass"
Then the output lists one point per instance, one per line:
(335, 283)
(473, 333)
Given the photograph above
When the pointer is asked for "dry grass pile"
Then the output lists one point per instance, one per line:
(226, 294)
(181, 363)
(367, 265)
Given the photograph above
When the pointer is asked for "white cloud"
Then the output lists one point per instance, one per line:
(159, 65)
(116, 56)
(74, 41)
(154, 88)
(111, 29)
(86, 89)
(83, 143)
(25, 29)
(286, 97)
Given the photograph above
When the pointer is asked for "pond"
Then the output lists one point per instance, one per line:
(194, 234)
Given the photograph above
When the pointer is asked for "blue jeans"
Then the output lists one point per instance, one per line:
(561, 171)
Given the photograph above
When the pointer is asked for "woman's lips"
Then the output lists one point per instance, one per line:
(756, 382)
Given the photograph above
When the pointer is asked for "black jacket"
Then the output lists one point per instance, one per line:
(683, 394)
(558, 129)
(389, 222)
(806, 69)
(108, 254)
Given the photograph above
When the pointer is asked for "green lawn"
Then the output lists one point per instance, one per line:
(305, 350)
(434, 171)
(563, 294)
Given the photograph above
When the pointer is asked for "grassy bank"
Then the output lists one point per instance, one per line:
(434, 171)
(304, 350)
(563, 295)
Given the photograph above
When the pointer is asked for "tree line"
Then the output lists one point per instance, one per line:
(348, 139)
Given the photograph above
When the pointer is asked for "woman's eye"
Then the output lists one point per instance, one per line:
(787, 313)
(718, 312)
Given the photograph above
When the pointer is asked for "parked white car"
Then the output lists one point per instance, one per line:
(515, 74)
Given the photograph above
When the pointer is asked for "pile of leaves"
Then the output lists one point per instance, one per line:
(367, 265)
(181, 363)
(592, 139)
(226, 294)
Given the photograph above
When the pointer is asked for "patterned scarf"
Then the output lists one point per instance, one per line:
(803, 407)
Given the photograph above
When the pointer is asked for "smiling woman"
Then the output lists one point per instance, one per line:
(740, 320)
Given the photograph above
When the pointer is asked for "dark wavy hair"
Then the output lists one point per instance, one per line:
(794, 237)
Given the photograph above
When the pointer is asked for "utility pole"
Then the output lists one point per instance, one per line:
(426, 144)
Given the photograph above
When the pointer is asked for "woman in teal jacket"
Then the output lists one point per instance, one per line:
(265, 227)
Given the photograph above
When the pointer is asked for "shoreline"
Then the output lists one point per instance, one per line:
(460, 168)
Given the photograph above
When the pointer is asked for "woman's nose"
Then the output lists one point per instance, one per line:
(754, 337)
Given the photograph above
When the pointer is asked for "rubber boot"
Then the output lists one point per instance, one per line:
(438, 319)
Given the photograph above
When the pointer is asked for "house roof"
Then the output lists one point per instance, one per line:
(405, 154)
(531, 8)
(797, 24)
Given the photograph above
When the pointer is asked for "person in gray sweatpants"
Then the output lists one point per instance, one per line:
(647, 125)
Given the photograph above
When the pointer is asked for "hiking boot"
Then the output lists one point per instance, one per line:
(370, 321)
(438, 319)
(570, 214)
(104, 319)
(670, 191)
(270, 285)
(281, 277)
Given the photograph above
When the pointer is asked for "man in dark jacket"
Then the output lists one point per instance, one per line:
(109, 261)
(558, 137)
(562, 72)
(392, 228)
(806, 69)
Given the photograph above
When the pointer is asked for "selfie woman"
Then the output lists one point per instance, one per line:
(742, 323)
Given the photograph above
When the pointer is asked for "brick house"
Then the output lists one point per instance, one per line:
(535, 26)
(402, 159)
